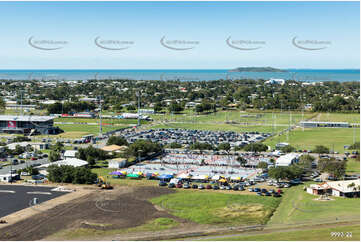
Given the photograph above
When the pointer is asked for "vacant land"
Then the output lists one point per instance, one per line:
(98, 213)
(299, 207)
(331, 137)
(218, 208)
(323, 234)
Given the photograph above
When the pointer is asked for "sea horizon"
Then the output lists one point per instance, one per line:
(298, 74)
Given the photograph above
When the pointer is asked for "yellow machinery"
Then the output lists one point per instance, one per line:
(103, 184)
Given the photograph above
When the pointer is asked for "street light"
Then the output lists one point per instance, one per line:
(139, 151)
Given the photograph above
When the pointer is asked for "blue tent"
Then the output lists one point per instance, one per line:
(165, 177)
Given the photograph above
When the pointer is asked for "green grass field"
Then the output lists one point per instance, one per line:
(338, 117)
(299, 207)
(322, 234)
(218, 208)
(353, 166)
(104, 172)
(263, 118)
(219, 127)
(309, 138)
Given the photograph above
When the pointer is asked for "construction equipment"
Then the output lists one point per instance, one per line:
(103, 184)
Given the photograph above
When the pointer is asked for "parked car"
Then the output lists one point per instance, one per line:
(194, 186)
(241, 188)
(259, 194)
(201, 187)
(276, 195)
(208, 187)
(186, 186)
(251, 189)
(162, 184)
(171, 185)
(179, 185)
(256, 189)
(215, 187)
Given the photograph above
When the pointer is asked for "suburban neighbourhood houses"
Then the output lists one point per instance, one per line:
(349, 188)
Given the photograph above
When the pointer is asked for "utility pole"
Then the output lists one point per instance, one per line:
(100, 116)
(21, 102)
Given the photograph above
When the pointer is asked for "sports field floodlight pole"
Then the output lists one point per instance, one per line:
(138, 95)
(100, 116)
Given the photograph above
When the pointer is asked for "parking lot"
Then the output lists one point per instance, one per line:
(15, 197)
(187, 137)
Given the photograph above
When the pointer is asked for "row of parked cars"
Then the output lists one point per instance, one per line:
(264, 192)
(236, 187)
(187, 185)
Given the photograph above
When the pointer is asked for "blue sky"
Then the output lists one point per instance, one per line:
(274, 24)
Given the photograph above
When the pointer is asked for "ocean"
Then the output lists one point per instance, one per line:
(304, 75)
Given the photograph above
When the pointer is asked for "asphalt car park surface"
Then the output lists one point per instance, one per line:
(15, 197)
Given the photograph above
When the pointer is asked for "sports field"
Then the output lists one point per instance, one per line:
(308, 138)
(250, 118)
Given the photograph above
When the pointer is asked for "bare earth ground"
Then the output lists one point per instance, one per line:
(122, 207)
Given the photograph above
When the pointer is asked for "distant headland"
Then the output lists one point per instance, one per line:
(256, 69)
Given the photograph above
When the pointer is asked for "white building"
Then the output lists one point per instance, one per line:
(275, 81)
(117, 163)
(288, 159)
(67, 162)
(70, 154)
(348, 188)
(316, 124)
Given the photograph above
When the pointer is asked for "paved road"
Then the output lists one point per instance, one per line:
(15, 197)
(6, 169)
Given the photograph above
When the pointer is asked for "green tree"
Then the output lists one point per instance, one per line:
(117, 140)
(54, 156)
(224, 146)
(256, 147)
(288, 149)
(335, 168)
(262, 165)
(320, 149)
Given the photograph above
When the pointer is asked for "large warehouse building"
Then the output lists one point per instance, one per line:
(28, 124)
(315, 124)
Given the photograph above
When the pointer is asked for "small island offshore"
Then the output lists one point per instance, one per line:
(256, 69)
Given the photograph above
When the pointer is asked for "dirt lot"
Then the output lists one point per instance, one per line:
(123, 207)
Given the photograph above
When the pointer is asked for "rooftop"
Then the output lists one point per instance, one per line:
(32, 118)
